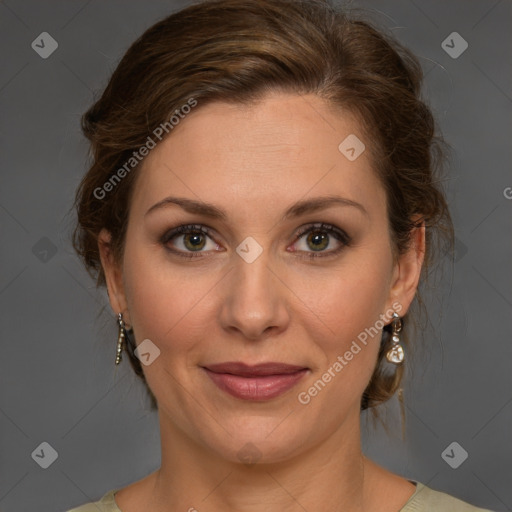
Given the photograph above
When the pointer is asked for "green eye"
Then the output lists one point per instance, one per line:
(189, 240)
(319, 237)
(194, 238)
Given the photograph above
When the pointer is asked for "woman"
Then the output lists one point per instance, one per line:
(262, 205)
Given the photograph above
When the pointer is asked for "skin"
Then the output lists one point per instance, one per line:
(254, 162)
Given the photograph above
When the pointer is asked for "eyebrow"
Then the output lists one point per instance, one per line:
(297, 209)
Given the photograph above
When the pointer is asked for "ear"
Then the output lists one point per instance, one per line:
(407, 271)
(113, 276)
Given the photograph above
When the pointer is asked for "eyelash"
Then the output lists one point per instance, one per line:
(337, 233)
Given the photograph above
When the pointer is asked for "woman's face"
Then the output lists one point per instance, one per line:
(264, 283)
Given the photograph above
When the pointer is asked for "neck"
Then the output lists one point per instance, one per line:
(330, 476)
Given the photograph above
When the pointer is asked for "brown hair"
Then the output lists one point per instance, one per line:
(236, 51)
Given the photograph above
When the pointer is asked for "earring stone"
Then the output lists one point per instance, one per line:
(395, 354)
(120, 338)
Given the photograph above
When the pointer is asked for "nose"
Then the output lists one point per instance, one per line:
(255, 302)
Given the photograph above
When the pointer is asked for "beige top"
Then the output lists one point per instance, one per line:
(424, 499)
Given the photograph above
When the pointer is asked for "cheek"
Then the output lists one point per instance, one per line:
(353, 297)
(164, 301)
(351, 304)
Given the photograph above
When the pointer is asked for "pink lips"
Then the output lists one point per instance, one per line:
(260, 382)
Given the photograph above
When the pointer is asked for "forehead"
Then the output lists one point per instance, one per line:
(277, 150)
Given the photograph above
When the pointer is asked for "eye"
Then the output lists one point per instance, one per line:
(188, 239)
(320, 237)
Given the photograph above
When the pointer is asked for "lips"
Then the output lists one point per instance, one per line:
(255, 382)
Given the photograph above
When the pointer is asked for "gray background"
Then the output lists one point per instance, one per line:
(58, 382)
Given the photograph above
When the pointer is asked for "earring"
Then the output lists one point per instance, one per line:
(120, 338)
(395, 354)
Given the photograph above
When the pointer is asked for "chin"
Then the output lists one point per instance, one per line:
(258, 439)
(244, 450)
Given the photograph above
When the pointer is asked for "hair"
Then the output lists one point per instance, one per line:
(238, 51)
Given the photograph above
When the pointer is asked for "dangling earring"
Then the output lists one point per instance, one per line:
(395, 354)
(120, 338)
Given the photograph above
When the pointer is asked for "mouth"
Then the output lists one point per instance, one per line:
(258, 382)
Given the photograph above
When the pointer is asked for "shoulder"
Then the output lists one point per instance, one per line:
(105, 504)
(425, 499)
